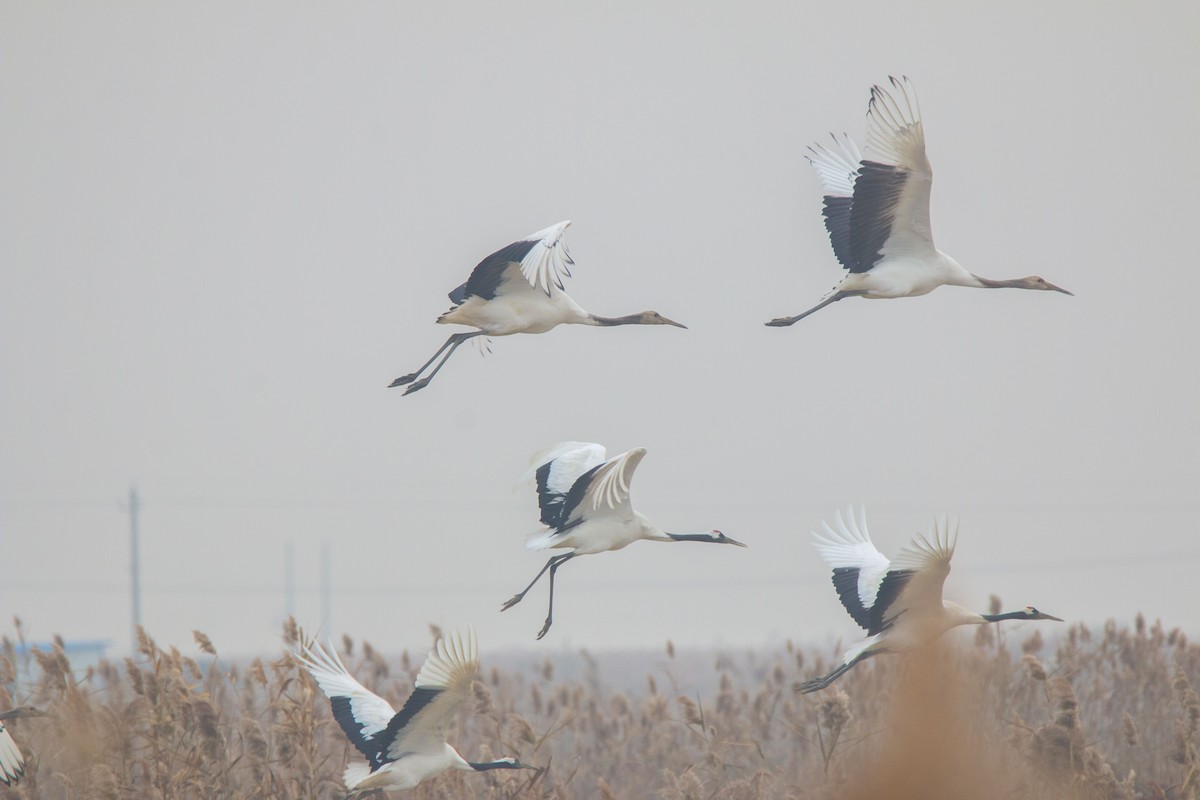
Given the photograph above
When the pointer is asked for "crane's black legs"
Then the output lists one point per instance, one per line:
(817, 684)
(452, 343)
(550, 610)
(553, 564)
(783, 322)
(516, 598)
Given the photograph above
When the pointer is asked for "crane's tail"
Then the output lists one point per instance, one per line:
(356, 772)
(542, 539)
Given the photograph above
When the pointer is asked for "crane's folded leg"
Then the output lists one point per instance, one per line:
(817, 684)
(550, 612)
(516, 598)
(453, 342)
(783, 322)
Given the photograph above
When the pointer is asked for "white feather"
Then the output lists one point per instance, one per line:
(850, 546)
(572, 459)
(837, 166)
(12, 762)
(548, 262)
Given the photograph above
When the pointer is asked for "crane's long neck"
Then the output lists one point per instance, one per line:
(1005, 615)
(988, 283)
(628, 319)
(503, 763)
(691, 537)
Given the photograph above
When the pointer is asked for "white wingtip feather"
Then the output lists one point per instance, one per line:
(556, 451)
(549, 261)
(453, 662)
(836, 166)
(924, 551)
(894, 129)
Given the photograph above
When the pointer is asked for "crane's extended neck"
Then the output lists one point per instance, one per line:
(715, 537)
(1025, 613)
(641, 318)
(1030, 282)
(503, 763)
(989, 283)
(628, 319)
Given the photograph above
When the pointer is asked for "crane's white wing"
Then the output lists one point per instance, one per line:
(929, 562)
(556, 471)
(443, 685)
(548, 261)
(12, 763)
(859, 568)
(361, 713)
(890, 213)
(837, 166)
(605, 489)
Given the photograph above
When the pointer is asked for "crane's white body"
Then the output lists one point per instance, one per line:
(920, 627)
(907, 276)
(405, 773)
(402, 748)
(610, 531)
(520, 308)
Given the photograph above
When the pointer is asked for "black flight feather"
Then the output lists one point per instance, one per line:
(837, 222)
(873, 618)
(488, 274)
(872, 212)
(415, 703)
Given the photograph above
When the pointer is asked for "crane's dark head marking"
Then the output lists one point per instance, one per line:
(721, 538)
(1032, 613)
(715, 537)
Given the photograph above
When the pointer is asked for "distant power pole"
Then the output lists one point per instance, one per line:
(289, 580)
(135, 561)
(326, 588)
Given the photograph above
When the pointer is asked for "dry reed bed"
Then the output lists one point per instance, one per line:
(1109, 713)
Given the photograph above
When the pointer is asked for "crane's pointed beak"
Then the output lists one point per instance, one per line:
(1042, 615)
(673, 322)
(1058, 289)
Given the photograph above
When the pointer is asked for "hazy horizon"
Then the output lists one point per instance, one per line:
(225, 229)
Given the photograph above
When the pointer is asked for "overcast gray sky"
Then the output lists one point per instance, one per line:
(225, 227)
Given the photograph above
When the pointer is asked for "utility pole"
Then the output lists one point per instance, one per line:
(326, 588)
(135, 561)
(289, 580)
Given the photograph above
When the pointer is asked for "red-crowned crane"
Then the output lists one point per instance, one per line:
(877, 211)
(12, 762)
(899, 603)
(584, 499)
(402, 749)
(519, 289)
